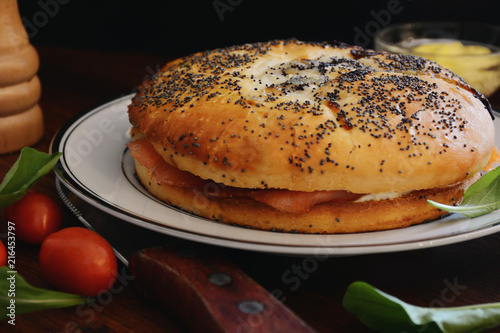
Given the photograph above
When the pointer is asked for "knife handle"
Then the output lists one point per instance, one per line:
(209, 293)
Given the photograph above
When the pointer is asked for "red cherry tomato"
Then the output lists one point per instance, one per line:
(79, 261)
(35, 216)
(3, 255)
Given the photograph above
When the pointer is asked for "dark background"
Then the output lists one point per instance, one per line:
(175, 28)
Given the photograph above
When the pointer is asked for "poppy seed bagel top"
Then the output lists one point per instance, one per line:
(310, 116)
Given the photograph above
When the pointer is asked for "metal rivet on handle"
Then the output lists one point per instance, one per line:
(219, 279)
(250, 307)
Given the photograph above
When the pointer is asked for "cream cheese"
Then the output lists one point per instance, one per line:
(382, 196)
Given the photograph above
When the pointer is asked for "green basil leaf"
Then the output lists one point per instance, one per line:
(17, 296)
(386, 313)
(30, 167)
(481, 198)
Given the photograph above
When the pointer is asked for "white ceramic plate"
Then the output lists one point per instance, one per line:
(96, 166)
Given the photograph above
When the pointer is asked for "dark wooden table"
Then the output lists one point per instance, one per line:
(76, 80)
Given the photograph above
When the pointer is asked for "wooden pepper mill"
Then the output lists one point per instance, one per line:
(21, 121)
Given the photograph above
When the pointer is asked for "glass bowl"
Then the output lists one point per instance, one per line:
(470, 50)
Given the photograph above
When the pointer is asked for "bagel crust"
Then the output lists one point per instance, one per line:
(329, 217)
(307, 116)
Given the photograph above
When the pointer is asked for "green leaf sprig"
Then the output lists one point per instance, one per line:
(386, 313)
(26, 298)
(29, 168)
(480, 198)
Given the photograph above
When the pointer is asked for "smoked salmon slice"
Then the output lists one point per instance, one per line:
(284, 200)
(299, 201)
(161, 172)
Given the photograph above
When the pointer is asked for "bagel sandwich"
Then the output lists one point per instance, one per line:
(309, 137)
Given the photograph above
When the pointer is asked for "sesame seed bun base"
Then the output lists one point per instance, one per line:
(329, 217)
